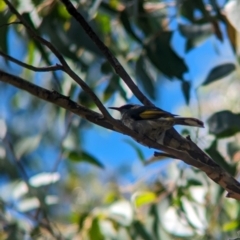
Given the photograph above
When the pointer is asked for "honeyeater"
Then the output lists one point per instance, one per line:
(152, 121)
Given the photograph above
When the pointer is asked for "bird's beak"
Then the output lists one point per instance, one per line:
(115, 108)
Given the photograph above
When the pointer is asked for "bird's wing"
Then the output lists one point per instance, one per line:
(146, 113)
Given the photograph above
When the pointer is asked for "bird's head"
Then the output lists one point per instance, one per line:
(124, 108)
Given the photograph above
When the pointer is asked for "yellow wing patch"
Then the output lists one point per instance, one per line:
(150, 114)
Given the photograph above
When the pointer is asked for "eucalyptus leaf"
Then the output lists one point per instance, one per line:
(164, 57)
(219, 72)
(224, 124)
(95, 230)
(186, 87)
(144, 78)
(142, 198)
(141, 231)
(77, 156)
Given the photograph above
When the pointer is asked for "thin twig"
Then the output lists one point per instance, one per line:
(8, 24)
(16, 160)
(107, 53)
(28, 66)
(66, 67)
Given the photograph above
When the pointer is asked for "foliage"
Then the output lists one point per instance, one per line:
(52, 184)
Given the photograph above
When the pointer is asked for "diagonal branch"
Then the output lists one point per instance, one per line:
(174, 144)
(28, 66)
(65, 66)
(107, 53)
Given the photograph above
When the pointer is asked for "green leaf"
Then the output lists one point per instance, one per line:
(186, 87)
(142, 198)
(106, 68)
(137, 149)
(77, 156)
(81, 220)
(85, 100)
(193, 182)
(219, 72)
(224, 124)
(95, 231)
(141, 231)
(124, 17)
(144, 78)
(231, 226)
(218, 158)
(104, 23)
(164, 57)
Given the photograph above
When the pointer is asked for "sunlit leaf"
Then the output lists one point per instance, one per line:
(2, 6)
(219, 72)
(43, 179)
(230, 226)
(121, 212)
(142, 198)
(28, 204)
(103, 22)
(20, 190)
(27, 145)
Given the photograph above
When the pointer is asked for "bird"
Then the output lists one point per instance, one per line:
(152, 121)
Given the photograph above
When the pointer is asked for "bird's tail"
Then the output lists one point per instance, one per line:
(194, 122)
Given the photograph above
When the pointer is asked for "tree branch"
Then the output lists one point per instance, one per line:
(174, 143)
(107, 53)
(66, 67)
(33, 68)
